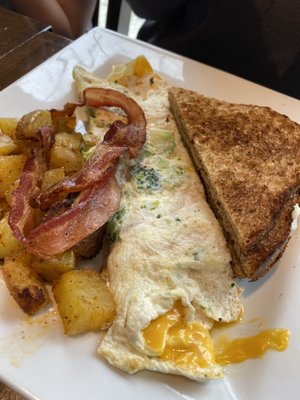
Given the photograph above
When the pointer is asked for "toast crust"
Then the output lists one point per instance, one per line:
(249, 160)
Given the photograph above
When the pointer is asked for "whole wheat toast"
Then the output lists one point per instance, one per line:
(249, 160)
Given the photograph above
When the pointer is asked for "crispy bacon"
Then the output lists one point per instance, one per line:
(132, 135)
(96, 170)
(92, 209)
(22, 217)
(117, 140)
(99, 193)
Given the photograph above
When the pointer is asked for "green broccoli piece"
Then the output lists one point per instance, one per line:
(146, 178)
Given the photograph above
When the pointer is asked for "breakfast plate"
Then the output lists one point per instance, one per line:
(41, 363)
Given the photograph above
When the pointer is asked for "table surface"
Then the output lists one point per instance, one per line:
(24, 44)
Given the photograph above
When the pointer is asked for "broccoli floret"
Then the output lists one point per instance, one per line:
(146, 178)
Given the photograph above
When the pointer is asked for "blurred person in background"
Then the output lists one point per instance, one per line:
(70, 18)
(255, 39)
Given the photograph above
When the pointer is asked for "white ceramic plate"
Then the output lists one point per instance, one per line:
(38, 361)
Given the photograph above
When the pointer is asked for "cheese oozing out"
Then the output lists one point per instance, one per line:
(173, 339)
(234, 351)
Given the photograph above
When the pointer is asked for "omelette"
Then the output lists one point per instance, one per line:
(168, 266)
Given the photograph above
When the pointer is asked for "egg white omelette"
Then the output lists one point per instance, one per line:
(168, 266)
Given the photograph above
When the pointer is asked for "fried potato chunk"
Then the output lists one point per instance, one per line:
(51, 177)
(9, 245)
(8, 126)
(65, 152)
(32, 122)
(7, 145)
(83, 301)
(54, 267)
(23, 283)
(10, 170)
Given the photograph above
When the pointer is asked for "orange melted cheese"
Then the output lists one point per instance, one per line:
(171, 338)
(241, 349)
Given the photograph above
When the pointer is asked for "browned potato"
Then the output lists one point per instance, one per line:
(8, 193)
(8, 126)
(7, 145)
(4, 208)
(51, 177)
(54, 267)
(8, 244)
(63, 122)
(65, 152)
(83, 301)
(70, 140)
(24, 284)
(32, 122)
(10, 170)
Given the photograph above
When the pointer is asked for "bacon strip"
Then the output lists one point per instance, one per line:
(132, 135)
(99, 196)
(92, 209)
(96, 170)
(117, 140)
(22, 216)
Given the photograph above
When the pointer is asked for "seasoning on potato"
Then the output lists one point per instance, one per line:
(83, 301)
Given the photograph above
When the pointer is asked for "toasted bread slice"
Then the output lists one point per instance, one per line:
(249, 159)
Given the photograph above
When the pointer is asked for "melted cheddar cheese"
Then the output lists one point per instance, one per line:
(235, 351)
(173, 339)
